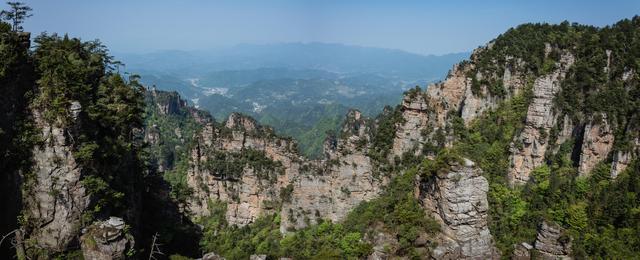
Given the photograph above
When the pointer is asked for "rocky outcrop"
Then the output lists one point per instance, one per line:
(457, 198)
(623, 158)
(105, 240)
(415, 114)
(307, 189)
(596, 144)
(522, 251)
(551, 243)
(528, 149)
(219, 172)
(339, 183)
(426, 113)
(212, 256)
(168, 103)
(54, 196)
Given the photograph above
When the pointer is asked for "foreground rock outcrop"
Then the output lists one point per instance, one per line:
(54, 196)
(106, 240)
(551, 243)
(457, 198)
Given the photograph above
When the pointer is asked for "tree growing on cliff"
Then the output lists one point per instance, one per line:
(18, 13)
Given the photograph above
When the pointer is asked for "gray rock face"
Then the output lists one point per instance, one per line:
(415, 112)
(168, 102)
(246, 197)
(326, 189)
(529, 148)
(426, 113)
(550, 242)
(212, 256)
(346, 179)
(458, 200)
(106, 240)
(54, 197)
(596, 144)
(75, 109)
(522, 251)
(622, 159)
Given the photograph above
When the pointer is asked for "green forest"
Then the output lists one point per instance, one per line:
(61, 83)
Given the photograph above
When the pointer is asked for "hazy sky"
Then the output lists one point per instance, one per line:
(428, 27)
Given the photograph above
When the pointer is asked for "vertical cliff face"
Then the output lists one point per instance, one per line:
(596, 145)
(409, 135)
(240, 164)
(54, 196)
(342, 181)
(529, 148)
(457, 198)
(274, 174)
(465, 93)
(623, 158)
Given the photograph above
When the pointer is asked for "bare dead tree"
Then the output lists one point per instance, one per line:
(8, 235)
(155, 247)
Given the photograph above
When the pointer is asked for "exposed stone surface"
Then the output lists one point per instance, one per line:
(596, 144)
(427, 112)
(325, 189)
(415, 114)
(346, 178)
(54, 197)
(106, 240)
(246, 197)
(168, 102)
(623, 158)
(529, 148)
(551, 243)
(522, 251)
(212, 256)
(75, 109)
(383, 245)
(458, 200)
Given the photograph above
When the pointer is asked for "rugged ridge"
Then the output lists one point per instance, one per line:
(308, 189)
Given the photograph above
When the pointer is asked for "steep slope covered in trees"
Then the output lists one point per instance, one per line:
(528, 149)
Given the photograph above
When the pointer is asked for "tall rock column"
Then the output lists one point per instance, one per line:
(529, 148)
(596, 144)
(457, 199)
(54, 196)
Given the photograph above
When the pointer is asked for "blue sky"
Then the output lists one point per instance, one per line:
(426, 27)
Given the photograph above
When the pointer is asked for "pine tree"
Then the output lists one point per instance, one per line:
(18, 13)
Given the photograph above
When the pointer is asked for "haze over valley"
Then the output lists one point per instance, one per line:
(302, 90)
(300, 130)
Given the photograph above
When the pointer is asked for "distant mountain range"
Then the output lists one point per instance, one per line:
(302, 89)
(337, 58)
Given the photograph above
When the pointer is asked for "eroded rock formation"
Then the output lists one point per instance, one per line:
(529, 148)
(106, 240)
(308, 189)
(54, 196)
(596, 144)
(457, 199)
(551, 243)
